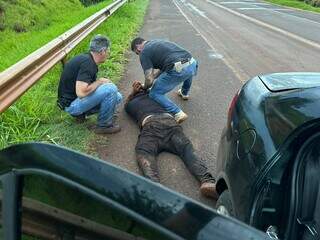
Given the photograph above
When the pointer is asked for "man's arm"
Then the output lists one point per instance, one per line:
(83, 89)
(150, 75)
(136, 88)
(156, 73)
(149, 78)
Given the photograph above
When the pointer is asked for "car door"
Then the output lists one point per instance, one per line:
(50, 207)
(304, 205)
(50, 192)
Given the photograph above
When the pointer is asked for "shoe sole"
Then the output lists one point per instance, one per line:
(105, 132)
(183, 97)
(182, 119)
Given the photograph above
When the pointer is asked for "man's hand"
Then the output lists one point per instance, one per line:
(137, 86)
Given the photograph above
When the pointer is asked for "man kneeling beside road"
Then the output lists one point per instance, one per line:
(160, 132)
(80, 93)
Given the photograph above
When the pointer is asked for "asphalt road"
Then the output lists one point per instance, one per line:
(233, 41)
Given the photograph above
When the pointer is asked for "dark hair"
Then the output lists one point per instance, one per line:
(135, 42)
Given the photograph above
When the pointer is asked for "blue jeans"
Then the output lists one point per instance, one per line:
(103, 100)
(167, 81)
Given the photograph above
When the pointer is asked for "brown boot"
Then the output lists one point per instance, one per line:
(149, 170)
(208, 189)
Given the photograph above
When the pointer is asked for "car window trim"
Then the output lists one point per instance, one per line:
(98, 196)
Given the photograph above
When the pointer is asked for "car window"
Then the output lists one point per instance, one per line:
(53, 208)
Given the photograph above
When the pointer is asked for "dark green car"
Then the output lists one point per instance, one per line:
(268, 158)
(49, 192)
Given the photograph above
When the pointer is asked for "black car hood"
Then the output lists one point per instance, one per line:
(277, 82)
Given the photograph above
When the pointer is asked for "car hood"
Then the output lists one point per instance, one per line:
(277, 82)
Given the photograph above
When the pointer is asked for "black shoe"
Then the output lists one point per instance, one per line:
(108, 130)
(80, 118)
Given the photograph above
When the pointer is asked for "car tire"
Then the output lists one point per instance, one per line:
(224, 204)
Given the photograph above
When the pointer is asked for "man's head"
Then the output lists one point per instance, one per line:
(99, 47)
(137, 45)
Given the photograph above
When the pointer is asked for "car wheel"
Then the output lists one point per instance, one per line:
(224, 204)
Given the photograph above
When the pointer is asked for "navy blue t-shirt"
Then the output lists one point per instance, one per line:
(161, 54)
(141, 106)
(80, 68)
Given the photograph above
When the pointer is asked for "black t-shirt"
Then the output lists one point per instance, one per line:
(161, 54)
(141, 106)
(80, 68)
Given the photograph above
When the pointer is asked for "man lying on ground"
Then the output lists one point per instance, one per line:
(160, 132)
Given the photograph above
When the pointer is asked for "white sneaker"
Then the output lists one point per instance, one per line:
(184, 97)
(180, 117)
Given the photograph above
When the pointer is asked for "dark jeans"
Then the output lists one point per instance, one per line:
(162, 133)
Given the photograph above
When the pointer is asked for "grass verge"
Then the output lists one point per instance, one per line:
(35, 117)
(295, 4)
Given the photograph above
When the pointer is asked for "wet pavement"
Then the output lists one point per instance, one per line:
(212, 90)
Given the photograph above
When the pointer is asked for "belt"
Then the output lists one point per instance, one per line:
(149, 117)
(178, 66)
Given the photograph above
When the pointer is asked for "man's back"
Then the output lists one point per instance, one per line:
(141, 106)
(161, 54)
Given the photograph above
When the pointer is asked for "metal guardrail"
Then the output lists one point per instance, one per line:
(18, 78)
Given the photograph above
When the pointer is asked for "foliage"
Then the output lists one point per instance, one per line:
(309, 5)
(90, 2)
(315, 3)
(35, 117)
(24, 15)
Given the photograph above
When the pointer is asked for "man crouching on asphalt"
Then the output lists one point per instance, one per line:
(166, 65)
(80, 93)
(160, 132)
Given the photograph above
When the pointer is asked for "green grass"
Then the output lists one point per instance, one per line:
(35, 117)
(42, 24)
(296, 4)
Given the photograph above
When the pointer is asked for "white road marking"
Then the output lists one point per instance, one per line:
(241, 76)
(215, 55)
(253, 3)
(196, 10)
(293, 16)
(267, 9)
(251, 8)
(201, 13)
(276, 29)
(265, 4)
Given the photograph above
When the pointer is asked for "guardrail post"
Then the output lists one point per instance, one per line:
(64, 61)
